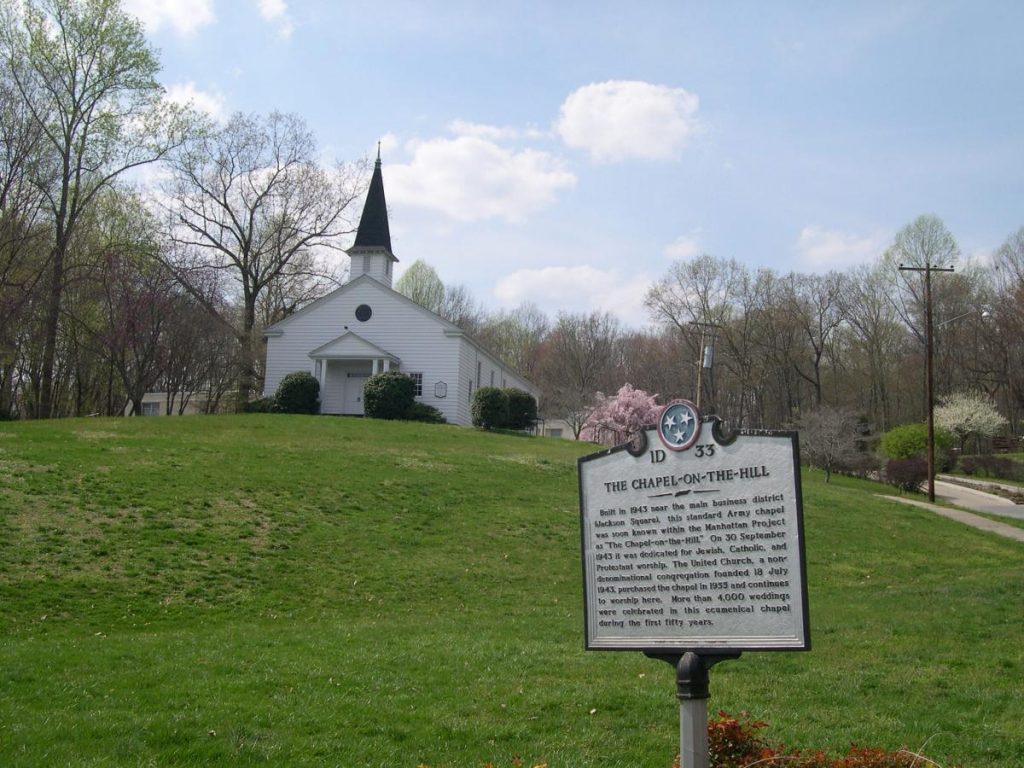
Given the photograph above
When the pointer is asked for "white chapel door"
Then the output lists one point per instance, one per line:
(353, 401)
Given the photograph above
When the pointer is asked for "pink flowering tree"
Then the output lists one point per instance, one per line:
(619, 417)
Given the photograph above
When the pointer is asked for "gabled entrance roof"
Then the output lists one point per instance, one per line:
(350, 346)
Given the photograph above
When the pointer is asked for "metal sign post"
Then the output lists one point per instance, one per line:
(693, 692)
(693, 552)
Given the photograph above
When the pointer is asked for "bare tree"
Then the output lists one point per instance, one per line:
(578, 362)
(249, 206)
(874, 343)
(813, 304)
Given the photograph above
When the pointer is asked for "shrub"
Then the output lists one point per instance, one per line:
(522, 409)
(298, 392)
(736, 743)
(426, 413)
(389, 395)
(906, 474)
(263, 405)
(489, 408)
(969, 465)
(861, 464)
(999, 467)
(911, 440)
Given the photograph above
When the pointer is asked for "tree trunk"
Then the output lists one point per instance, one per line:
(45, 407)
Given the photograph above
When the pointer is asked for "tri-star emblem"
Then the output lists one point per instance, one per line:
(679, 425)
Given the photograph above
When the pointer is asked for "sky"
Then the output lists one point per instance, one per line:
(566, 153)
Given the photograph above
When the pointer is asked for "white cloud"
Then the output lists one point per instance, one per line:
(821, 249)
(578, 289)
(204, 101)
(470, 178)
(276, 11)
(683, 248)
(481, 131)
(185, 16)
(494, 132)
(622, 119)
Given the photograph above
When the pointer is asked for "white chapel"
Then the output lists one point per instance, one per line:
(365, 327)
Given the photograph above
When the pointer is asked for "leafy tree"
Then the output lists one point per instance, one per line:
(925, 241)
(968, 413)
(421, 283)
(88, 79)
(516, 336)
(618, 418)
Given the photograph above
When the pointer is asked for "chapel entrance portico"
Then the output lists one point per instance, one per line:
(342, 366)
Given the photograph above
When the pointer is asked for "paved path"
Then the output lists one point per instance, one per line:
(976, 500)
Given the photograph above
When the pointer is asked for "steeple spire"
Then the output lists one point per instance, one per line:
(373, 225)
(371, 254)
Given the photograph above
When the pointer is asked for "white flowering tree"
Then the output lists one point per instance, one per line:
(969, 413)
(830, 439)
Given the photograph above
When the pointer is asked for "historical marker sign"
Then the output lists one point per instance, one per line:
(693, 541)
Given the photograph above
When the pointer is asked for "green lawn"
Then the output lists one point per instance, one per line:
(310, 591)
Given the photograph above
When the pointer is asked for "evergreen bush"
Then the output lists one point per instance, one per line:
(298, 392)
(263, 405)
(489, 408)
(425, 413)
(389, 395)
(522, 409)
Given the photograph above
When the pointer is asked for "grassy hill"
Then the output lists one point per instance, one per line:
(314, 591)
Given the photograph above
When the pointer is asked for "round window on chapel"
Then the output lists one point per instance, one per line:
(363, 313)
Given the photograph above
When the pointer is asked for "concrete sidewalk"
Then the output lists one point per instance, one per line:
(951, 493)
(976, 500)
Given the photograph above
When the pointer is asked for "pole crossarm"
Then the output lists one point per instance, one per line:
(928, 268)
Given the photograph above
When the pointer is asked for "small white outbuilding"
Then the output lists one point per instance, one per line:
(366, 327)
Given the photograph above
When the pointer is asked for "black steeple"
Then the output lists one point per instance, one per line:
(373, 229)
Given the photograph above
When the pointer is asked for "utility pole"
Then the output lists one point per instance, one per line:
(929, 377)
(705, 355)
